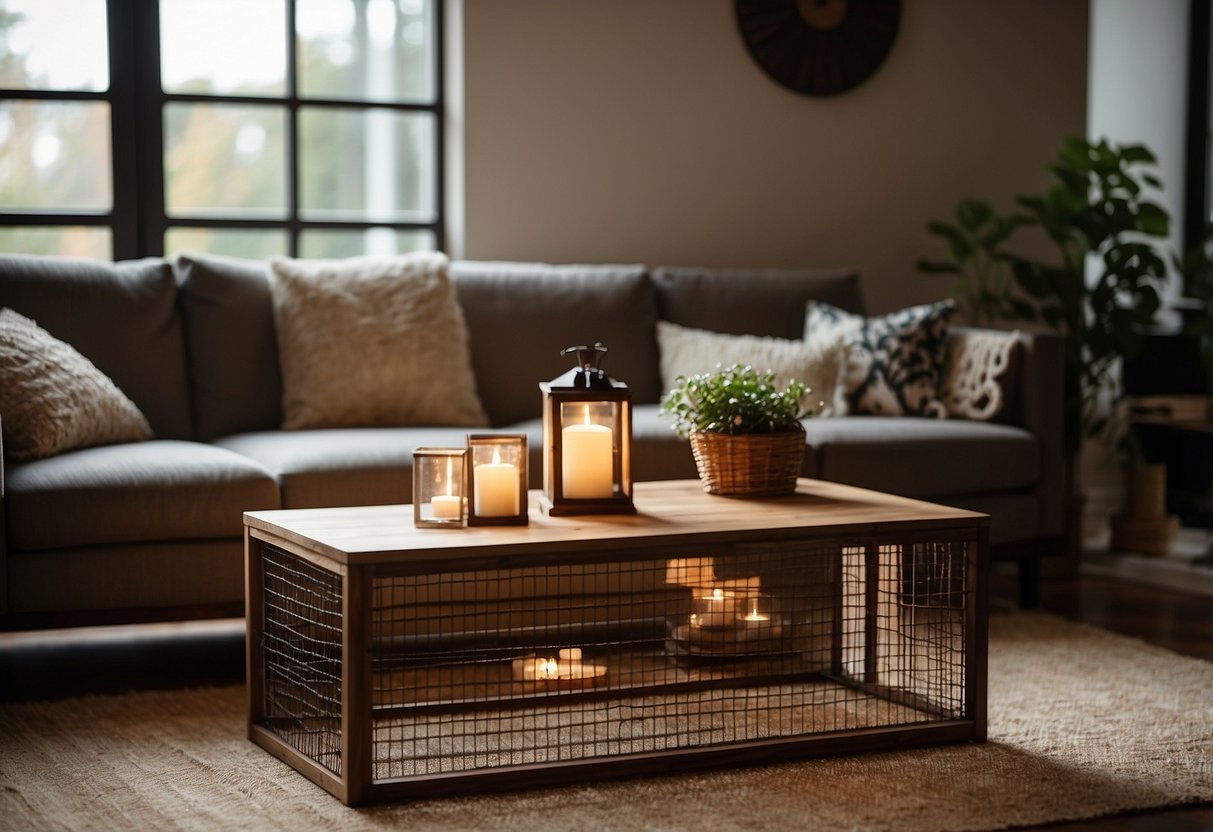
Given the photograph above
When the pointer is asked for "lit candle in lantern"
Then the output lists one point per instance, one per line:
(447, 506)
(587, 462)
(496, 488)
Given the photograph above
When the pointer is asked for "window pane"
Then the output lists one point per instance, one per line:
(224, 47)
(68, 241)
(55, 156)
(38, 50)
(224, 160)
(329, 243)
(367, 165)
(251, 243)
(366, 50)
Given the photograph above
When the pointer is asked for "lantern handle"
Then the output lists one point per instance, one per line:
(588, 357)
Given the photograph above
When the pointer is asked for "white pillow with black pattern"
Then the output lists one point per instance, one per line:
(892, 364)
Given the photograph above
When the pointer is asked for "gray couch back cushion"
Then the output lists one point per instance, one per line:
(120, 316)
(520, 315)
(233, 348)
(751, 301)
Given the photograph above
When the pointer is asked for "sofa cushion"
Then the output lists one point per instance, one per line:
(54, 399)
(372, 341)
(688, 352)
(342, 466)
(232, 346)
(521, 315)
(923, 458)
(120, 316)
(751, 301)
(891, 364)
(157, 490)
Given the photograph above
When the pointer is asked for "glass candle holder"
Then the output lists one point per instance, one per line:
(497, 479)
(439, 488)
(714, 608)
(757, 614)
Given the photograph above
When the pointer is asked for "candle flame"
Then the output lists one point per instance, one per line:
(548, 668)
(449, 477)
(586, 409)
(717, 594)
(496, 456)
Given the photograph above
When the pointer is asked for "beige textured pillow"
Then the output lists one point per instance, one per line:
(53, 399)
(372, 341)
(977, 367)
(686, 352)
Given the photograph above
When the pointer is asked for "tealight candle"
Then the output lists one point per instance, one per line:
(566, 672)
(448, 505)
(444, 506)
(755, 616)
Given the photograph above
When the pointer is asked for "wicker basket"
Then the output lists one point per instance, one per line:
(752, 465)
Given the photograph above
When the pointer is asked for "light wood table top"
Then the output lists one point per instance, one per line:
(667, 512)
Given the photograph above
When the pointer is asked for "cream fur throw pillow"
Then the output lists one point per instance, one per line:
(687, 352)
(372, 341)
(54, 399)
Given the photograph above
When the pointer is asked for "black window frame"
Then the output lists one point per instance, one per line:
(138, 219)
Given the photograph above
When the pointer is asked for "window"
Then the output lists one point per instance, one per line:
(1198, 196)
(243, 127)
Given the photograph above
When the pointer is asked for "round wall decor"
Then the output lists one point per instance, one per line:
(819, 47)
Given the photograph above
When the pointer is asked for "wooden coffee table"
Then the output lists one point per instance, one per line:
(386, 661)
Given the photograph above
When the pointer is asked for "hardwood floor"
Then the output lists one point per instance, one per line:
(43, 665)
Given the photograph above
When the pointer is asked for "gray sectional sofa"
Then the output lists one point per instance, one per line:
(154, 529)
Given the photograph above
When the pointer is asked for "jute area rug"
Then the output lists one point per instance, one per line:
(1082, 723)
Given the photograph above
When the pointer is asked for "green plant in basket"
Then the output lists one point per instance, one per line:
(736, 401)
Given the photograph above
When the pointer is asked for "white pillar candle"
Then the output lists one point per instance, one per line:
(587, 461)
(496, 493)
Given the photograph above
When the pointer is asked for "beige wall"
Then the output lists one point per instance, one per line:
(642, 131)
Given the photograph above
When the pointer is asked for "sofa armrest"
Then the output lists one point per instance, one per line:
(1039, 401)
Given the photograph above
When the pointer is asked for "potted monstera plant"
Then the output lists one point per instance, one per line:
(1098, 288)
(744, 429)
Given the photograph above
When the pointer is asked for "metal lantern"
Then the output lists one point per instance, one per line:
(587, 439)
(439, 488)
(497, 479)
